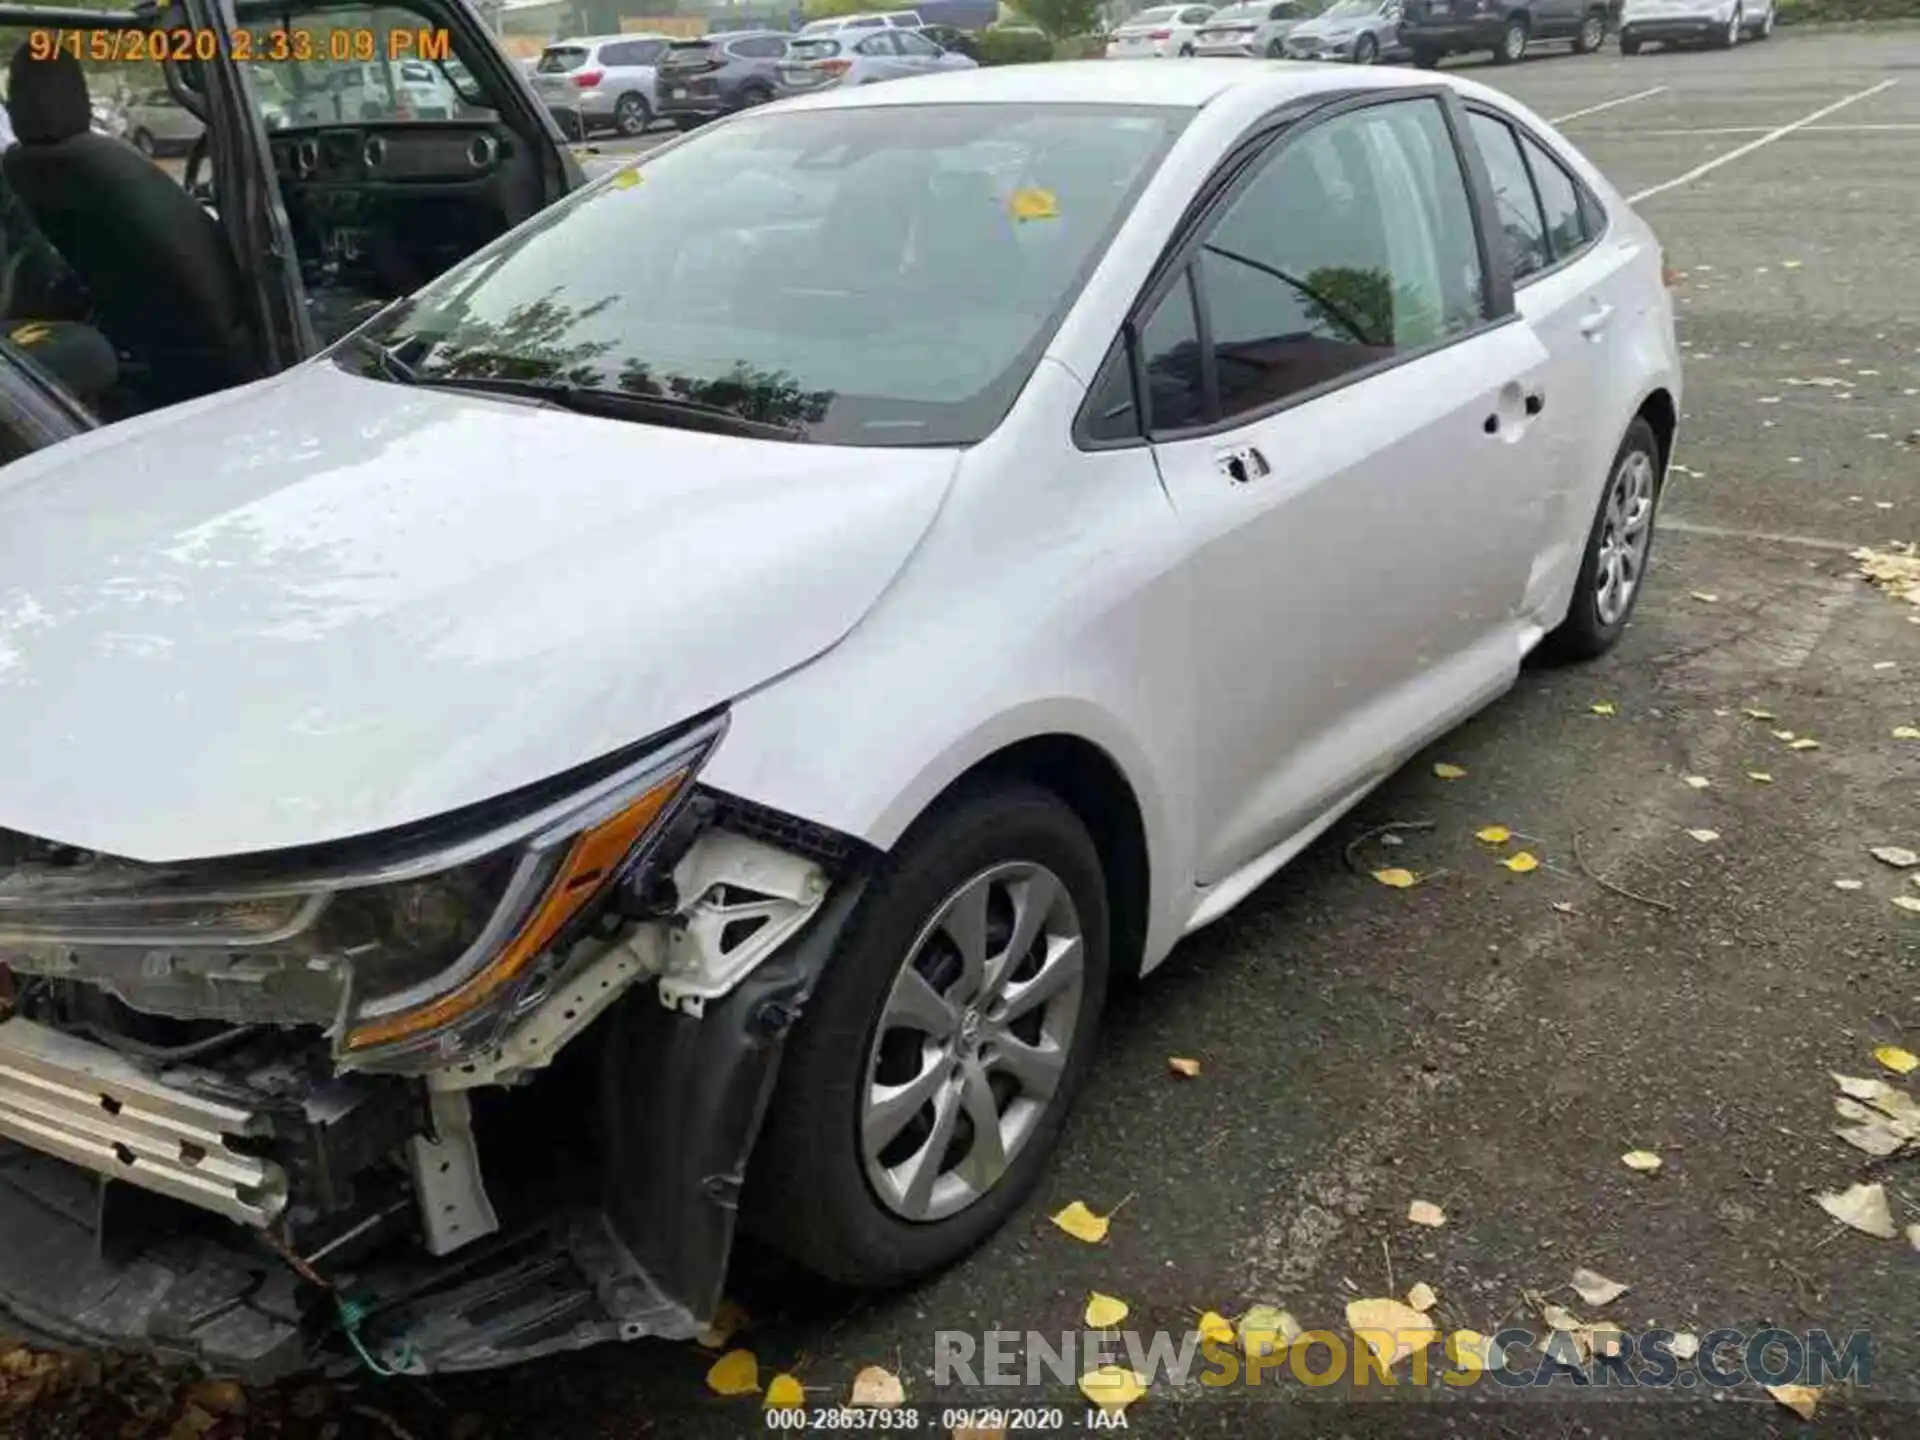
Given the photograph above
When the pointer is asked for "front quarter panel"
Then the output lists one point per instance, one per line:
(1045, 600)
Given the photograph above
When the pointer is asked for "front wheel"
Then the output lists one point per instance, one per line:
(1766, 25)
(1186, 52)
(1424, 58)
(1593, 30)
(1730, 37)
(1366, 50)
(926, 1084)
(1618, 546)
(1513, 43)
(143, 142)
(1276, 50)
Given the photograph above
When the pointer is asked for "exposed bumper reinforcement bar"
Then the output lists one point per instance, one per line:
(95, 1108)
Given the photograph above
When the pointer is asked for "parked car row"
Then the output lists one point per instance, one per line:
(627, 82)
(1425, 31)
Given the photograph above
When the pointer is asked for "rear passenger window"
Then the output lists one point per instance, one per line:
(1526, 233)
(1559, 200)
(1354, 242)
(880, 44)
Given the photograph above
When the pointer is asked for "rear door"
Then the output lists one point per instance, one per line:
(1339, 415)
(918, 54)
(1571, 281)
(880, 57)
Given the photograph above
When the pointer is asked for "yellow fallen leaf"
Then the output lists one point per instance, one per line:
(1849, 884)
(1425, 1212)
(1901, 1062)
(1601, 707)
(1105, 1311)
(1216, 1327)
(1906, 732)
(1696, 782)
(1907, 902)
(1805, 742)
(1801, 1399)
(625, 179)
(1645, 1161)
(1390, 1329)
(1081, 1223)
(1422, 1298)
(1113, 1387)
(1789, 264)
(1705, 837)
(785, 1393)
(1860, 1207)
(1267, 1330)
(1180, 1065)
(1520, 862)
(1595, 1288)
(1493, 834)
(1783, 734)
(1033, 203)
(1897, 856)
(1760, 777)
(877, 1389)
(1397, 878)
(735, 1373)
(1705, 596)
(1758, 714)
(1449, 772)
(729, 1319)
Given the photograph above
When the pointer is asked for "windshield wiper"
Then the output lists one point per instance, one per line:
(390, 364)
(620, 405)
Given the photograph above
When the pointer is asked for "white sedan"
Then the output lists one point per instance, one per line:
(1157, 33)
(803, 617)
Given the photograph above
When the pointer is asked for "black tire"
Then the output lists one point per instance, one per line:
(1366, 50)
(1765, 29)
(754, 95)
(632, 115)
(1186, 52)
(1629, 45)
(1583, 635)
(1276, 50)
(1513, 42)
(807, 1191)
(1591, 34)
(1730, 37)
(1424, 58)
(143, 142)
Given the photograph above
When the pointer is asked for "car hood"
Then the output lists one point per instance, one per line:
(323, 605)
(1327, 29)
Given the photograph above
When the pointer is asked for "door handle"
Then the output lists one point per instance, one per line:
(1243, 463)
(1596, 321)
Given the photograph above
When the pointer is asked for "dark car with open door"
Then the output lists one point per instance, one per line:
(285, 224)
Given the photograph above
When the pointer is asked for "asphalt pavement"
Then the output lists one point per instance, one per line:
(1493, 1042)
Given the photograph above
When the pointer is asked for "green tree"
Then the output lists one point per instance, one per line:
(829, 9)
(1061, 19)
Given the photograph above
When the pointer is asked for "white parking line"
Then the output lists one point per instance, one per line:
(1607, 105)
(1752, 145)
(1894, 127)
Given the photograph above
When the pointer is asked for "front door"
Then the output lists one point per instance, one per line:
(1343, 423)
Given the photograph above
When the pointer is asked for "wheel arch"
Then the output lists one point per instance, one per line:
(1659, 411)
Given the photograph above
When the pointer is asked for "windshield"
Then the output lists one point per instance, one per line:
(1353, 10)
(870, 276)
(559, 59)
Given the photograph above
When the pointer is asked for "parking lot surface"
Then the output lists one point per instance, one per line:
(1493, 1042)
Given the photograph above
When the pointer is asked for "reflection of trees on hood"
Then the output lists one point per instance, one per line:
(530, 343)
(771, 396)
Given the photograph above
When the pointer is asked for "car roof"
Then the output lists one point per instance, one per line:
(580, 40)
(1189, 84)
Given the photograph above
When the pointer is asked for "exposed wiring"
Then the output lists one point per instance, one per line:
(140, 1050)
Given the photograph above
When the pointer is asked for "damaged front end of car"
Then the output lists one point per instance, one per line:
(441, 1099)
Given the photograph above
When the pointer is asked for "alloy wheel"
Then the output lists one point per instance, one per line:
(972, 1042)
(1513, 44)
(1625, 537)
(1591, 33)
(630, 115)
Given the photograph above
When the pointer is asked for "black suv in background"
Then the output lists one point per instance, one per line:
(700, 80)
(1509, 28)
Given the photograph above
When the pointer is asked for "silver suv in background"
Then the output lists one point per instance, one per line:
(599, 82)
(1257, 28)
(866, 57)
(878, 20)
(706, 78)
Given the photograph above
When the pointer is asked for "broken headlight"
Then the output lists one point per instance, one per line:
(407, 957)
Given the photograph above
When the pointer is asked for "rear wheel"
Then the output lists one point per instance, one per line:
(1366, 50)
(1618, 546)
(1730, 37)
(1186, 52)
(1513, 42)
(1593, 30)
(632, 115)
(1766, 25)
(754, 95)
(1629, 45)
(1424, 58)
(927, 1082)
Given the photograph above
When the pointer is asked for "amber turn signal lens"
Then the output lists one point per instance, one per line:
(592, 859)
